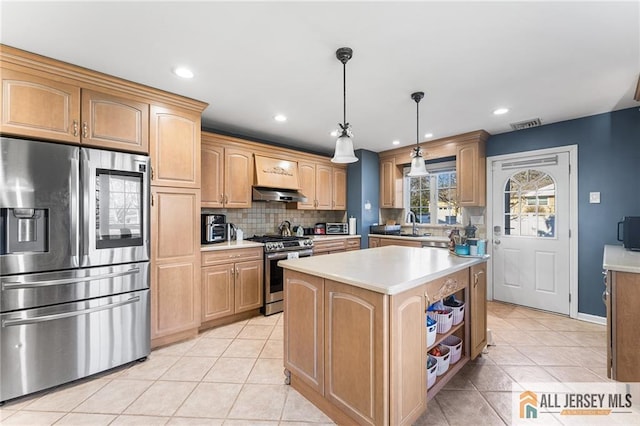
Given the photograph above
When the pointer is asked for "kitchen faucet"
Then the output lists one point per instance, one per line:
(412, 216)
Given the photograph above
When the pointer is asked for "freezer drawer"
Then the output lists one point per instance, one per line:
(18, 292)
(45, 347)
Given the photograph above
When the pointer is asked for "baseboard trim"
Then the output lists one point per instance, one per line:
(592, 318)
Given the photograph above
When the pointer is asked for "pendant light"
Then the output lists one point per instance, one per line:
(418, 167)
(344, 144)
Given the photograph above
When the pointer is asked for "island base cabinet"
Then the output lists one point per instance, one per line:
(478, 305)
(356, 352)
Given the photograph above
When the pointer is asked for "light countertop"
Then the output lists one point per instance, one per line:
(617, 258)
(388, 270)
(229, 245)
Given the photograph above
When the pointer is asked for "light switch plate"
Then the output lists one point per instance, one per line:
(594, 198)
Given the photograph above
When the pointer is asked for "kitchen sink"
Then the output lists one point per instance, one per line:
(415, 235)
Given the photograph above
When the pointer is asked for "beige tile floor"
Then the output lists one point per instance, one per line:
(233, 375)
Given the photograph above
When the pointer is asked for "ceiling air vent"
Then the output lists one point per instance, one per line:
(526, 124)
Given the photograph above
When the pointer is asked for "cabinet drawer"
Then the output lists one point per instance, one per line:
(353, 244)
(235, 255)
(442, 287)
(325, 246)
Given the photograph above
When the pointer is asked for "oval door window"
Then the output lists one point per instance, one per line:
(529, 204)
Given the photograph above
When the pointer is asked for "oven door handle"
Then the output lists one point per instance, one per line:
(284, 256)
(13, 285)
(44, 318)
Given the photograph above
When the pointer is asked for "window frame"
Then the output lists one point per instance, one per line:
(448, 166)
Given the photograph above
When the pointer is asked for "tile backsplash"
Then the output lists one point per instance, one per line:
(264, 217)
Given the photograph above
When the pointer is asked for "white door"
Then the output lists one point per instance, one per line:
(531, 222)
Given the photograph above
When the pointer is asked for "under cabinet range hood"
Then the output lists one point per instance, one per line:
(273, 194)
(276, 180)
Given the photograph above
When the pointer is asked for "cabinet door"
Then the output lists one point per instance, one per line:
(324, 186)
(356, 380)
(114, 122)
(248, 286)
(408, 388)
(175, 261)
(238, 178)
(339, 188)
(374, 242)
(217, 291)
(353, 244)
(398, 242)
(307, 179)
(390, 184)
(304, 328)
(470, 171)
(625, 345)
(37, 107)
(478, 295)
(174, 147)
(212, 175)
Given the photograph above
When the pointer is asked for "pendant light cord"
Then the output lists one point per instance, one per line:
(418, 124)
(344, 93)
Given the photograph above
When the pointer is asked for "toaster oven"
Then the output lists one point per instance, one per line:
(337, 228)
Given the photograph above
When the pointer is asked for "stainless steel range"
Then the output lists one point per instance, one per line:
(277, 248)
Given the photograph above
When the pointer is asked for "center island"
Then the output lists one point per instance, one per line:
(355, 335)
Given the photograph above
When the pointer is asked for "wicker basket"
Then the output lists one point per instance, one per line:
(454, 343)
(432, 372)
(443, 361)
(445, 321)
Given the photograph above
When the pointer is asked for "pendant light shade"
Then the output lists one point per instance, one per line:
(344, 145)
(418, 167)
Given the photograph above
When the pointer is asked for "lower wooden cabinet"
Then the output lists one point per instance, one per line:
(175, 263)
(478, 306)
(335, 245)
(623, 334)
(232, 282)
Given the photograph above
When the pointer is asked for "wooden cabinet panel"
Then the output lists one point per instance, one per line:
(175, 260)
(38, 107)
(326, 246)
(439, 288)
(174, 305)
(353, 244)
(218, 257)
(398, 242)
(305, 357)
(339, 188)
(625, 333)
(217, 292)
(238, 178)
(212, 175)
(408, 355)
(470, 170)
(374, 242)
(174, 147)
(248, 286)
(227, 176)
(114, 122)
(323, 187)
(356, 380)
(307, 177)
(478, 305)
(390, 184)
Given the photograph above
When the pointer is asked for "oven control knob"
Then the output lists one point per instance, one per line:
(280, 245)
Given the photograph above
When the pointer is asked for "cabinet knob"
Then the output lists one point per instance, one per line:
(75, 127)
(476, 277)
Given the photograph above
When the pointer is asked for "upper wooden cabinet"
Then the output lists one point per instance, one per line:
(471, 174)
(175, 147)
(390, 184)
(307, 178)
(469, 150)
(114, 122)
(339, 188)
(39, 107)
(227, 175)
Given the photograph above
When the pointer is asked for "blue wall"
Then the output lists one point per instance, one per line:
(609, 163)
(363, 181)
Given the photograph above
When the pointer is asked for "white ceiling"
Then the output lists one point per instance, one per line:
(252, 60)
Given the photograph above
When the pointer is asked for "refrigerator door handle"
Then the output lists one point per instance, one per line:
(74, 204)
(13, 285)
(85, 208)
(15, 322)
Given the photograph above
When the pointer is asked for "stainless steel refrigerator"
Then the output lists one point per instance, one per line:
(74, 263)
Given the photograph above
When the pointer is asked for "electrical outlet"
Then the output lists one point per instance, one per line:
(594, 198)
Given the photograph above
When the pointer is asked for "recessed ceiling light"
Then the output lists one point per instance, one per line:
(501, 111)
(281, 118)
(334, 133)
(428, 135)
(183, 72)
(396, 142)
